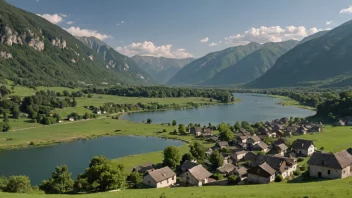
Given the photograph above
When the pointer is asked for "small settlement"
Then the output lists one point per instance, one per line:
(252, 161)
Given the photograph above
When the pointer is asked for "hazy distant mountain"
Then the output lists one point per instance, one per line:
(252, 66)
(208, 66)
(313, 36)
(323, 61)
(160, 68)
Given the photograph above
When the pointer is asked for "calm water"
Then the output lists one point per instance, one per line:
(252, 108)
(38, 163)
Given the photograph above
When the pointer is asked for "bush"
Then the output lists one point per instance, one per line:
(233, 179)
(218, 176)
(296, 173)
(300, 159)
(278, 178)
(164, 130)
(304, 167)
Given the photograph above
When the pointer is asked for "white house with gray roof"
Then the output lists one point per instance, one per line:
(160, 178)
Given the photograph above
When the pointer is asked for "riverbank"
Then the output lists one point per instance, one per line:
(286, 101)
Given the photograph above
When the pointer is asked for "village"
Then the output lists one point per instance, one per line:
(249, 159)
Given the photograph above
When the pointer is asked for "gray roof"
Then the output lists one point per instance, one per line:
(263, 170)
(188, 165)
(144, 167)
(226, 168)
(223, 143)
(276, 162)
(242, 171)
(255, 138)
(240, 152)
(338, 160)
(261, 145)
(301, 144)
(282, 147)
(199, 172)
(162, 174)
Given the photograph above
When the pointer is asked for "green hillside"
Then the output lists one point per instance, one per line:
(129, 71)
(208, 66)
(324, 61)
(35, 52)
(252, 66)
(313, 36)
(160, 68)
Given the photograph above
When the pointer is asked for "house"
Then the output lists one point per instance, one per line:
(147, 167)
(282, 165)
(261, 146)
(284, 120)
(278, 127)
(242, 173)
(98, 112)
(196, 176)
(238, 155)
(278, 150)
(160, 178)
(197, 131)
(303, 147)
(227, 158)
(315, 129)
(209, 152)
(213, 139)
(302, 130)
(329, 165)
(250, 156)
(226, 169)
(222, 144)
(71, 119)
(340, 123)
(278, 142)
(241, 139)
(261, 174)
(253, 140)
(187, 165)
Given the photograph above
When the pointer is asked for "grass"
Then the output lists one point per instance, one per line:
(286, 101)
(323, 189)
(332, 138)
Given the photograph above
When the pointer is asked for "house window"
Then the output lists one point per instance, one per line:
(329, 172)
(173, 178)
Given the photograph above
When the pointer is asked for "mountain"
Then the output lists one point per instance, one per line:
(313, 36)
(252, 66)
(35, 52)
(160, 68)
(323, 61)
(117, 62)
(208, 66)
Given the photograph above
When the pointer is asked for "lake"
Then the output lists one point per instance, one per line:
(38, 163)
(252, 108)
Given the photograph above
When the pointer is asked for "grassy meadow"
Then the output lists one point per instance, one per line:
(323, 189)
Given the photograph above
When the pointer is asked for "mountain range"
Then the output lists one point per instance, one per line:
(253, 65)
(160, 68)
(324, 62)
(35, 52)
(208, 66)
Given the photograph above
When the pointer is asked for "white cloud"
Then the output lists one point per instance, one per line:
(206, 39)
(271, 34)
(346, 10)
(70, 23)
(77, 31)
(55, 18)
(328, 23)
(148, 48)
(63, 15)
(122, 22)
(212, 44)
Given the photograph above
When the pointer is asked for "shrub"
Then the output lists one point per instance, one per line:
(296, 173)
(218, 176)
(233, 179)
(164, 130)
(278, 178)
(300, 159)
(304, 167)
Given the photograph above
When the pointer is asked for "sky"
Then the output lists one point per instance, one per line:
(189, 28)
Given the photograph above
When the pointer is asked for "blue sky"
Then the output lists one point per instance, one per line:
(176, 28)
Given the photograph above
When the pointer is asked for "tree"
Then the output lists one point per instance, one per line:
(233, 179)
(60, 181)
(237, 125)
(4, 126)
(149, 121)
(186, 157)
(182, 129)
(223, 127)
(101, 175)
(198, 151)
(136, 179)
(6, 118)
(15, 111)
(74, 102)
(18, 184)
(3, 183)
(171, 157)
(174, 123)
(226, 135)
(278, 178)
(216, 160)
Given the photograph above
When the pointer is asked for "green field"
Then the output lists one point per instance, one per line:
(286, 101)
(324, 189)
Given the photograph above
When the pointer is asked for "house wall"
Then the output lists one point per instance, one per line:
(255, 179)
(289, 172)
(240, 156)
(334, 173)
(304, 152)
(189, 179)
(149, 181)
